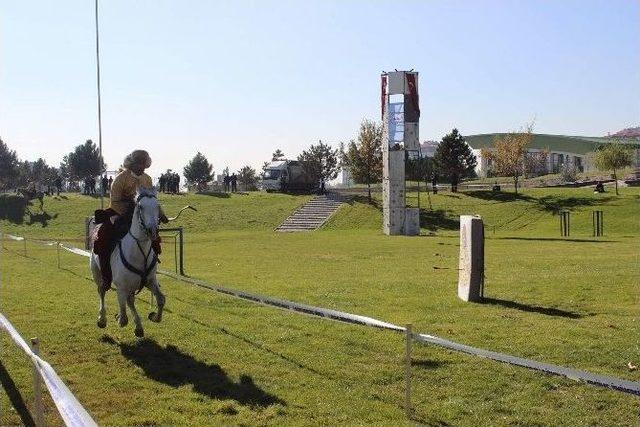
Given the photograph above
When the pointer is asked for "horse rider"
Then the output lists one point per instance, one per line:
(116, 220)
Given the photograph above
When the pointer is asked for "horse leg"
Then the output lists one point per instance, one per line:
(154, 287)
(123, 320)
(102, 317)
(97, 277)
(131, 302)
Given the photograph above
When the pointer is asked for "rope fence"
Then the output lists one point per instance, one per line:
(72, 412)
(613, 383)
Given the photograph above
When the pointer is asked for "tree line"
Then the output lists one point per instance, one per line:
(81, 163)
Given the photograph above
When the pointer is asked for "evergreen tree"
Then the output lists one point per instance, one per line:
(454, 159)
(248, 178)
(277, 155)
(364, 158)
(320, 162)
(83, 162)
(198, 171)
(8, 166)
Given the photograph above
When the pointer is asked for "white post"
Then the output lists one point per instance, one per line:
(471, 267)
(58, 253)
(407, 372)
(24, 241)
(38, 408)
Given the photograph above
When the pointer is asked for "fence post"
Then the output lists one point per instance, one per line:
(407, 372)
(38, 408)
(175, 251)
(565, 223)
(24, 241)
(181, 234)
(58, 253)
(598, 223)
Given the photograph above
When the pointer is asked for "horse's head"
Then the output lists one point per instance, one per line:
(147, 211)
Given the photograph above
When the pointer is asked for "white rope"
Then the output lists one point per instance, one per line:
(71, 411)
(626, 386)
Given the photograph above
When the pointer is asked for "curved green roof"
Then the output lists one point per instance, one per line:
(568, 144)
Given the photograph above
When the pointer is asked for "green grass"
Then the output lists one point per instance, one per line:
(572, 302)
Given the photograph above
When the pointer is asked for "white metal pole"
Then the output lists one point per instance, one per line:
(99, 107)
(38, 408)
(407, 371)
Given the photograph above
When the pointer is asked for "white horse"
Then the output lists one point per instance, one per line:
(134, 264)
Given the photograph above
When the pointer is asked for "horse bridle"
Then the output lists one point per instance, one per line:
(140, 218)
(144, 273)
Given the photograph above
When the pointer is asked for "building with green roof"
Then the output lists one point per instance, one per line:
(561, 150)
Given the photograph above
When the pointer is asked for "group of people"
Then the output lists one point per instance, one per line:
(169, 182)
(89, 186)
(230, 183)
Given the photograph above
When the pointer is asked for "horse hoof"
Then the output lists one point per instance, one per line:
(139, 333)
(153, 316)
(102, 323)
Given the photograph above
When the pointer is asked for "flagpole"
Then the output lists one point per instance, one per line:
(99, 109)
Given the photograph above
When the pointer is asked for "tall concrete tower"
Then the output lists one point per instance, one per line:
(400, 118)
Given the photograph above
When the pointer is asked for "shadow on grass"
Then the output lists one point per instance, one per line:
(439, 219)
(548, 311)
(42, 218)
(427, 364)
(218, 194)
(548, 203)
(170, 366)
(432, 220)
(359, 198)
(13, 208)
(15, 397)
(500, 196)
(554, 239)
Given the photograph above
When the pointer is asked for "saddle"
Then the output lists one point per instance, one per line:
(104, 237)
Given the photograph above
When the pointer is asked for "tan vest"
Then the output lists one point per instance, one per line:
(124, 188)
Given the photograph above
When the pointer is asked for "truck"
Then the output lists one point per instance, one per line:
(287, 176)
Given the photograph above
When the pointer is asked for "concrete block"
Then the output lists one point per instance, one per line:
(393, 165)
(471, 266)
(396, 83)
(393, 194)
(393, 221)
(411, 137)
(412, 221)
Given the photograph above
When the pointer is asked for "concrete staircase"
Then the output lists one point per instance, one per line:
(313, 214)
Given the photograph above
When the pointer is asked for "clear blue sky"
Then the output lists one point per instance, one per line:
(237, 79)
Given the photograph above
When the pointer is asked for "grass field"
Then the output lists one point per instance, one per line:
(215, 360)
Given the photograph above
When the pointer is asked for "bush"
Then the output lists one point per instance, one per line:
(569, 173)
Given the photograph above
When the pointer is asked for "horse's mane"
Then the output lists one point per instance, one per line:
(146, 192)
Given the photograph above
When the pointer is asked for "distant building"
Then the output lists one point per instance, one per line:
(428, 148)
(561, 150)
(344, 178)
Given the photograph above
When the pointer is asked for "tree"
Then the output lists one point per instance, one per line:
(320, 162)
(364, 158)
(8, 166)
(613, 157)
(454, 159)
(419, 169)
(83, 162)
(248, 178)
(277, 155)
(509, 154)
(265, 165)
(198, 171)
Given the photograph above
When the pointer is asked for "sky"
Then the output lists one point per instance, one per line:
(237, 79)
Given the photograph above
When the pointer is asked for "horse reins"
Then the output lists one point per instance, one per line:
(144, 274)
